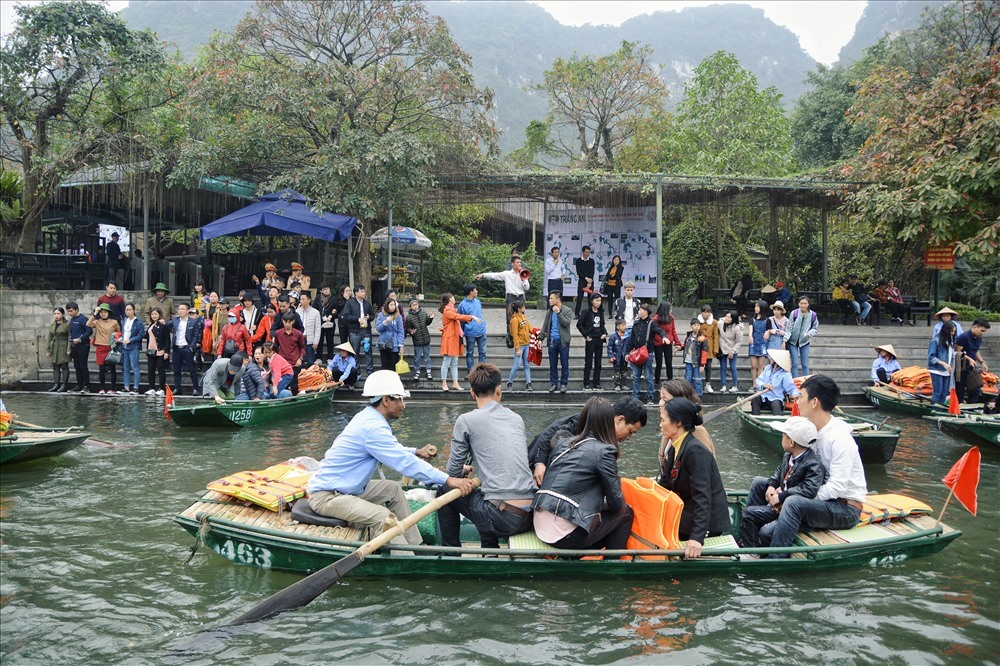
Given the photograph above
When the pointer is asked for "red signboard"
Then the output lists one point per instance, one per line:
(940, 257)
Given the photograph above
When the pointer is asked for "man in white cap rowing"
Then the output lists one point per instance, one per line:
(343, 486)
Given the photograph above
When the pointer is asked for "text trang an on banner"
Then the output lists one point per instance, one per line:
(940, 257)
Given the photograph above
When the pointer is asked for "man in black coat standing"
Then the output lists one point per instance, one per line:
(359, 317)
(585, 267)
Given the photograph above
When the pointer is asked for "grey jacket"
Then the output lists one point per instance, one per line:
(565, 320)
(215, 378)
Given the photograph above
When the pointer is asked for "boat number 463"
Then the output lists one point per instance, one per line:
(245, 553)
(887, 560)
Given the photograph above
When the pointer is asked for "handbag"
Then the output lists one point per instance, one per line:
(229, 348)
(640, 355)
(150, 352)
(402, 367)
(114, 357)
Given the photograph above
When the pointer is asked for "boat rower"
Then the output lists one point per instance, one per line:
(343, 486)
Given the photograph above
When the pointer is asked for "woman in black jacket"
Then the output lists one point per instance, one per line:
(582, 474)
(157, 351)
(690, 471)
(346, 294)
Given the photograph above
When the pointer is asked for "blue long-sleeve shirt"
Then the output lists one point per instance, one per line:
(390, 330)
(343, 363)
(780, 379)
(366, 441)
(472, 328)
(889, 367)
(78, 329)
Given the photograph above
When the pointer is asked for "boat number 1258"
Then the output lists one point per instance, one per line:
(240, 414)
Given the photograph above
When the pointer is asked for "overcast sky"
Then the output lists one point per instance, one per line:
(822, 26)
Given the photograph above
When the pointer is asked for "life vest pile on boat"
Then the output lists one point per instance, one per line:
(913, 378)
(5, 419)
(272, 488)
(312, 378)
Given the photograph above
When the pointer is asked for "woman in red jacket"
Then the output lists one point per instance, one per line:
(664, 346)
(233, 337)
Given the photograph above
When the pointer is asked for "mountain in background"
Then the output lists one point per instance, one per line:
(513, 43)
(884, 17)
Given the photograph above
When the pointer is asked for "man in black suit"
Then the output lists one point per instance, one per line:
(116, 259)
(359, 317)
(585, 267)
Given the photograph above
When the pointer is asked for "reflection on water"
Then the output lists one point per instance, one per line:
(92, 569)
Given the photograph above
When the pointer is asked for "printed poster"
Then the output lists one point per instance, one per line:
(628, 232)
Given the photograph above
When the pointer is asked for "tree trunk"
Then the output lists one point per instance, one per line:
(363, 257)
(720, 263)
(32, 204)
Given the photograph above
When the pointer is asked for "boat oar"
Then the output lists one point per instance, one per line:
(304, 591)
(715, 412)
(895, 389)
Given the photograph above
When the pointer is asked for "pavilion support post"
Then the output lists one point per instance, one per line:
(534, 236)
(388, 274)
(659, 238)
(145, 238)
(824, 215)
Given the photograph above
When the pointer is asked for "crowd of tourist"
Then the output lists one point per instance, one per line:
(636, 340)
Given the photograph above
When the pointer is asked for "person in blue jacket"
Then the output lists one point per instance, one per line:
(475, 329)
(940, 363)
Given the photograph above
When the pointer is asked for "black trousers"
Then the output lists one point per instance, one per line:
(184, 358)
(348, 379)
(106, 369)
(592, 357)
(80, 354)
(613, 294)
(389, 357)
(327, 340)
(776, 406)
(156, 366)
(664, 356)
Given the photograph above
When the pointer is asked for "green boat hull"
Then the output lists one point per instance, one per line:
(246, 413)
(23, 450)
(977, 429)
(884, 398)
(287, 551)
(876, 446)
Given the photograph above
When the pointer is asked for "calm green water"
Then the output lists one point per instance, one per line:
(92, 569)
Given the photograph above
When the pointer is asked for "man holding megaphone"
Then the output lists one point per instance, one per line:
(515, 282)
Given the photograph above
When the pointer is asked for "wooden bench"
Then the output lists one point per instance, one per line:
(917, 307)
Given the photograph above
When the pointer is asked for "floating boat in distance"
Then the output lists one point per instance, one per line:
(909, 402)
(235, 414)
(984, 427)
(25, 443)
(252, 535)
(876, 440)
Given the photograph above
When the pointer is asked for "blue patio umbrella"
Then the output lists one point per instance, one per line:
(281, 213)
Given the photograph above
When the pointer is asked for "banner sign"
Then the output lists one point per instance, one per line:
(628, 232)
(941, 257)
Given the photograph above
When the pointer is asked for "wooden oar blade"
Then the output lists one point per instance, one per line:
(301, 593)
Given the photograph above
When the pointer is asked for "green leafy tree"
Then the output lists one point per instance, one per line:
(932, 158)
(538, 144)
(592, 100)
(726, 125)
(78, 85)
(354, 104)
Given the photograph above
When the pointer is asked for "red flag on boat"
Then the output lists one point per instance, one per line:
(963, 479)
(795, 407)
(168, 402)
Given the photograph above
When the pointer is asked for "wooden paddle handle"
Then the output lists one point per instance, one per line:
(411, 520)
(716, 412)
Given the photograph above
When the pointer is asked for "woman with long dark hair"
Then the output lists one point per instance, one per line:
(664, 344)
(612, 283)
(758, 343)
(346, 294)
(690, 471)
(391, 337)
(581, 476)
(157, 352)
(941, 363)
(739, 294)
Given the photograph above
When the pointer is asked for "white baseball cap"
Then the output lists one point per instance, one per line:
(800, 429)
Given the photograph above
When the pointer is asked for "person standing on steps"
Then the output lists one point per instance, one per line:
(627, 307)
(451, 340)
(474, 331)
(556, 330)
(58, 350)
(611, 285)
(585, 268)
(595, 332)
(359, 316)
(555, 271)
(79, 339)
(515, 286)
(803, 326)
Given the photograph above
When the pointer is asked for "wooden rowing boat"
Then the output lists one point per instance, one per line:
(984, 427)
(257, 537)
(910, 403)
(31, 443)
(876, 441)
(234, 414)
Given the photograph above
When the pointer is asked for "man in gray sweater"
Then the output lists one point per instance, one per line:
(492, 439)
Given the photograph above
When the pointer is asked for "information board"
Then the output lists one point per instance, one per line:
(628, 232)
(941, 257)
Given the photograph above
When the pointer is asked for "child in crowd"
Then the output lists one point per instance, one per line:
(800, 473)
(709, 331)
(520, 333)
(758, 343)
(281, 373)
(730, 340)
(618, 343)
(695, 355)
(417, 323)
